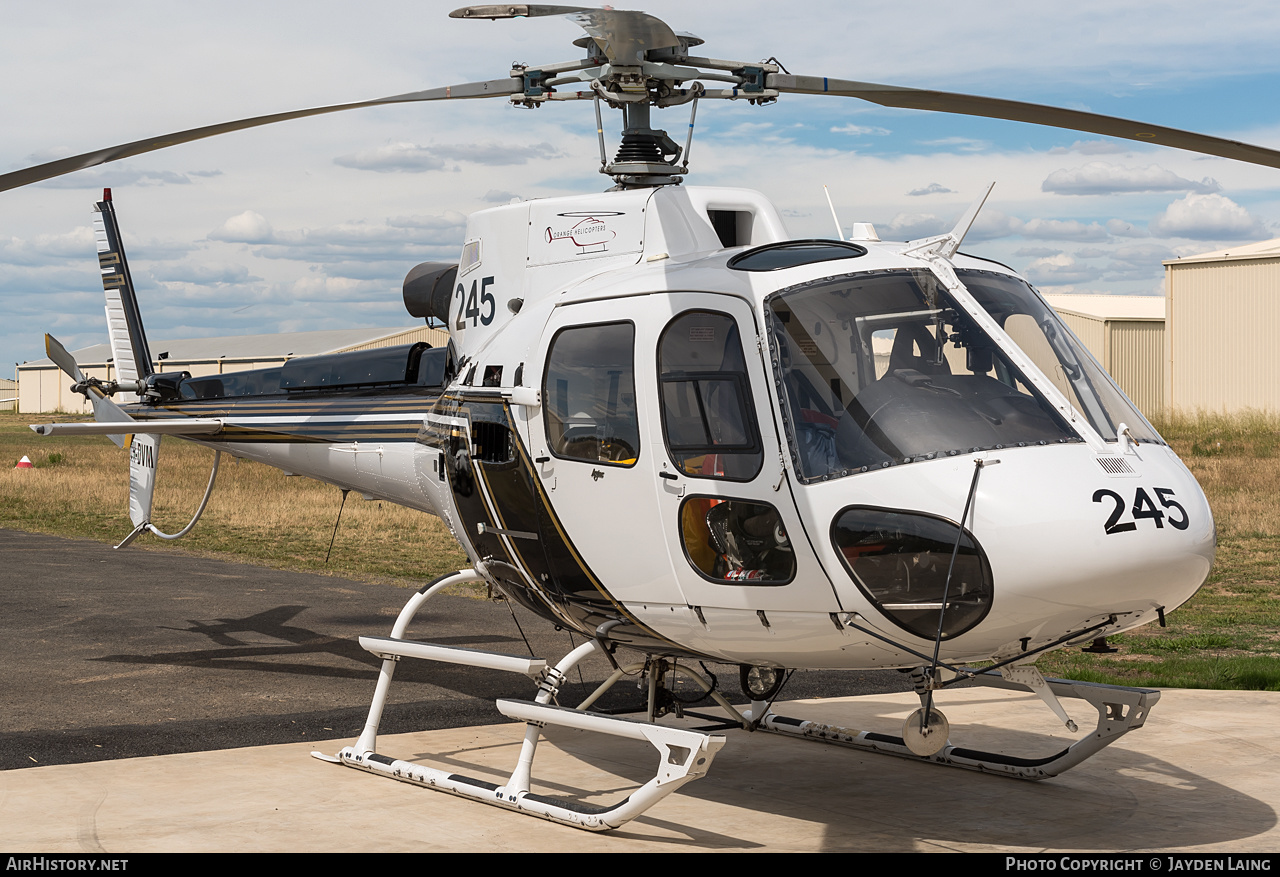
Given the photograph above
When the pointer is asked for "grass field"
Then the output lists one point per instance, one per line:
(1227, 636)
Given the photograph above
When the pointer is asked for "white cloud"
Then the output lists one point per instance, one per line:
(121, 177)
(992, 224)
(244, 228)
(1102, 178)
(498, 154)
(1207, 218)
(403, 158)
(964, 144)
(1062, 230)
(413, 158)
(1090, 147)
(409, 238)
(1060, 269)
(1138, 262)
(911, 226)
(1122, 229)
(860, 130)
(203, 273)
(932, 189)
(76, 244)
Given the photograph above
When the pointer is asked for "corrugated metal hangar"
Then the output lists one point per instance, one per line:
(43, 388)
(1126, 334)
(1223, 309)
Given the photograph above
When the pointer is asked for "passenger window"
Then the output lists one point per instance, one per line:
(734, 540)
(707, 417)
(589, 393)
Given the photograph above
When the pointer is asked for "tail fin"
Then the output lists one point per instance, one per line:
(124, 320)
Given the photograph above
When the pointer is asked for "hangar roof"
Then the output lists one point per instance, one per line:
(1110, 307)
(1259, 250)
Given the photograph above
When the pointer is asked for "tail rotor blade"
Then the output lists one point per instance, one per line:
(62, 358)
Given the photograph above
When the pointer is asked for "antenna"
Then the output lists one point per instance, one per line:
(946, 245)
(834, 218)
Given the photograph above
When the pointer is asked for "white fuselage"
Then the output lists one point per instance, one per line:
(1051, 518)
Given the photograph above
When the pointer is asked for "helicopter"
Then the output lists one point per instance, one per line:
(840, 453)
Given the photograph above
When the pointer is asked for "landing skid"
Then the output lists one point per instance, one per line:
(684, 754)
(1120, 710)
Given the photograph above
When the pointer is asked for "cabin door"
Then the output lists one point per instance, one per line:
(591, 454)
(727, 517)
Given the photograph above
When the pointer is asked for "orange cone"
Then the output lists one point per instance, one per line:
(24, 463)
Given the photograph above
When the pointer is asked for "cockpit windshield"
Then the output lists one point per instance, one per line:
(883, 368)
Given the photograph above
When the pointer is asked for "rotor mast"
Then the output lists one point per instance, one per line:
(634, 63)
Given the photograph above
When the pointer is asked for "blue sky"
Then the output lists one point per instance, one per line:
(313, 224)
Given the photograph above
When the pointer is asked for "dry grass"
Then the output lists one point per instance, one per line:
(258, 514)
(1226, 635)
(1237, 462)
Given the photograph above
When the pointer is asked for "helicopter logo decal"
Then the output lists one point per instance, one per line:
(591, 234)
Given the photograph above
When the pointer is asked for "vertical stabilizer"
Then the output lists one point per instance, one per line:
(124, 320)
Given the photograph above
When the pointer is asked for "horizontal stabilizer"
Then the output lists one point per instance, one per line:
(187, 426)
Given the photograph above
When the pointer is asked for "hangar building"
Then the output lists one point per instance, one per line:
(1223, 310)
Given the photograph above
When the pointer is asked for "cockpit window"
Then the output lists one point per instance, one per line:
(788, 254)
(884, 368)
(590, 394)
(707, 417)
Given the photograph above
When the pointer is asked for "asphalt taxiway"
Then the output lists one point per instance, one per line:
(158, 702)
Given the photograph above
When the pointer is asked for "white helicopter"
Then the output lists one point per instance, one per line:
(838, 454)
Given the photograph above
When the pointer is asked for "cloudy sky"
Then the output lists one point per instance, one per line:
(312, 224)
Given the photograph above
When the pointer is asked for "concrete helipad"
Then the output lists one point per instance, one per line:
(1202, 776)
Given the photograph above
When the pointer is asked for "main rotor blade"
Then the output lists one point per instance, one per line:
(491, 88)
(1016, 111)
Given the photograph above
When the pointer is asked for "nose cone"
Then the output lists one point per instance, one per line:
(1069, 537)
(1090, 537)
